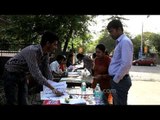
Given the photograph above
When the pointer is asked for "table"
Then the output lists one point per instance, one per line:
(74, 97)
(75, 79)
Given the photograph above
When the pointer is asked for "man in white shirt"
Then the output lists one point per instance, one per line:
(55, 66)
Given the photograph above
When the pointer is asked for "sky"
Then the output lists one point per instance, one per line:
(134, 24)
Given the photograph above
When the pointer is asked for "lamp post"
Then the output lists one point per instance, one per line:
(141, 48)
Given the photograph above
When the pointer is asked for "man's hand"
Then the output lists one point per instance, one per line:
(58, 93)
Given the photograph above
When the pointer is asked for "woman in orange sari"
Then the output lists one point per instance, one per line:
(100, 68)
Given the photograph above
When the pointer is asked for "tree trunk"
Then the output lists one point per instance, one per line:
(67, 40)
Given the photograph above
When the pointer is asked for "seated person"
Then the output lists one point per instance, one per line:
(88, 62)
(93, 58)
(69, 60)
(63, 66)
(55, 66)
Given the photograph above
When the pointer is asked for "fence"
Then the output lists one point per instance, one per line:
(5, 53)
(4, 56)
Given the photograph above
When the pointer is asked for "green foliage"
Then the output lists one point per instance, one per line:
(105, 37)
(136, 44)
(23, 30)
(155, 41)
(151, 40)
(107, 41)
(79, 42)
(91, 46)
(118, 17)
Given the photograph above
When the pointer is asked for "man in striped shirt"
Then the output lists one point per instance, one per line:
(33, 59)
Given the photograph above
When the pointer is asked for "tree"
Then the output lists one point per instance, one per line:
(118, 17)
(150, 40)
(75, 27)
(90, 48)
(155, 41)
(107, 41)
(105, 37)
(136, 45)
(27, 29)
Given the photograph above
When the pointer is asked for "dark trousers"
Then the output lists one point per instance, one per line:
(120, 90)
(15, 87)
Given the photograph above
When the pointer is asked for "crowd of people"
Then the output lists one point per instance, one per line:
(112, 73)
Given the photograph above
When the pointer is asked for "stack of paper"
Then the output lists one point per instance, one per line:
(77, 91)
(47, 93)
(67, 79)
(50, 98)
(73, 74)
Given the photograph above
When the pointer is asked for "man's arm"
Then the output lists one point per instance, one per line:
(126, 60)
(47, 71)
(37, 74)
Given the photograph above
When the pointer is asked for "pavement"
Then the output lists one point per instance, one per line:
(144, 93)
(145, 89)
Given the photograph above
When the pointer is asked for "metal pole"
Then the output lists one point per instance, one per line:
(142, 41)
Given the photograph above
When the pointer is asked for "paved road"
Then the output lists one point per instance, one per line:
(145, 88)
(144, 93)
(146, 69)
(145, 73)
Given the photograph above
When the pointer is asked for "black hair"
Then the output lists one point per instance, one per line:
(106, 52)
(60, 57)
(115, 24)
(94, 55)
(48, 36)
(101, 47)
(80, 56)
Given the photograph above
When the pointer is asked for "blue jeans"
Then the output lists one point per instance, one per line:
(16, 89)
(120, 90)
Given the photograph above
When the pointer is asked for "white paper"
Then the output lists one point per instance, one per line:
(73, 74)
(74, 101)
(77, 91)
(60, 86)
(47, 93)
(51, 96)
(71, 79)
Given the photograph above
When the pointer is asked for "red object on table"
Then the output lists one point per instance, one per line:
(51, 102)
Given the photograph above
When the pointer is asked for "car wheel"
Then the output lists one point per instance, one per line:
(151, 64)
(136, 64)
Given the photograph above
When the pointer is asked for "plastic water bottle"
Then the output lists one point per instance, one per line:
(66, 72)
(84, 74)
(98, 94)
(83, 89)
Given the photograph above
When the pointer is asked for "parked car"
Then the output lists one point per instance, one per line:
(144, 62)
